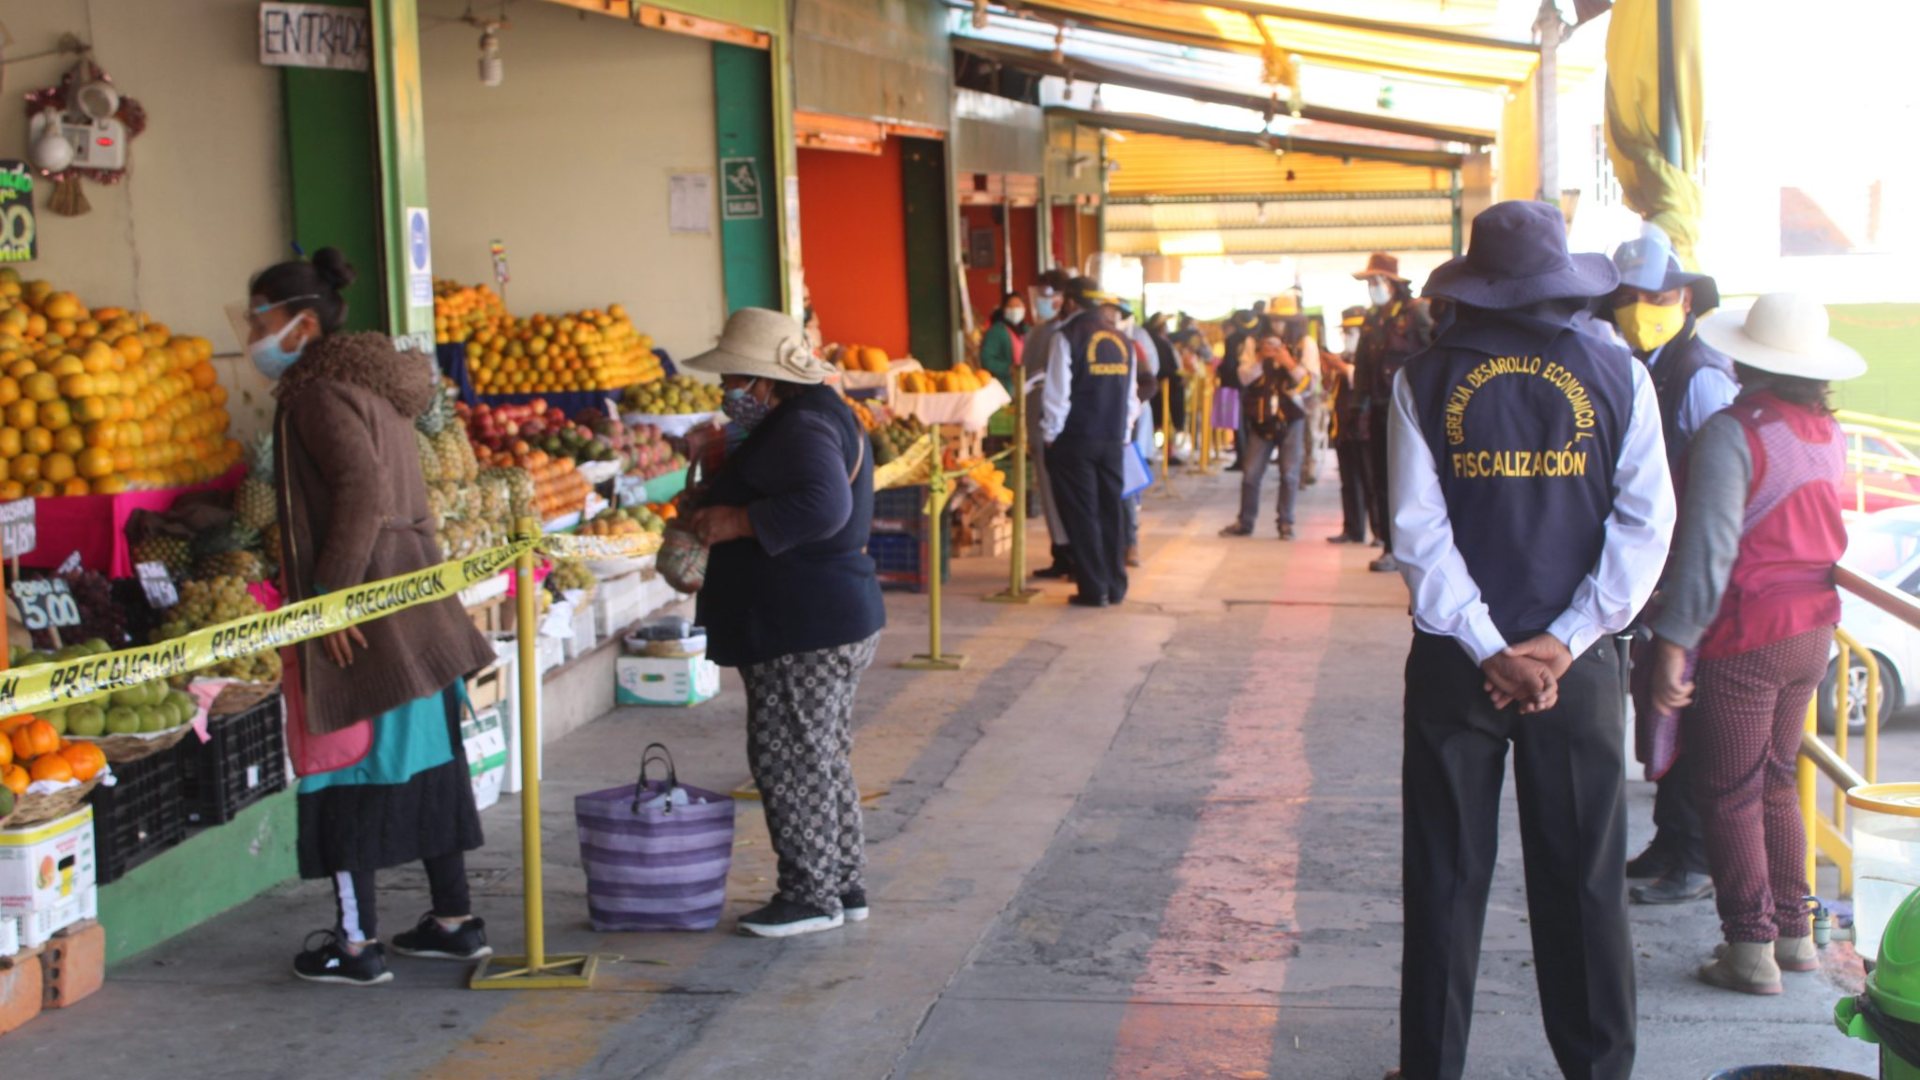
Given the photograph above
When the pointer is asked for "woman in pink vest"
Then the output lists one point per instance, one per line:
(1748, 596)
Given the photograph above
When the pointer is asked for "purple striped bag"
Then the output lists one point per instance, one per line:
(652, 863)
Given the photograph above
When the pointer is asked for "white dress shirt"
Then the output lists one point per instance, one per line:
(1446, 599)
(1056, 395)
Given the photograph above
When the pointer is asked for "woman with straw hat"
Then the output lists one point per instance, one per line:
(1749, 594)
(791, 599)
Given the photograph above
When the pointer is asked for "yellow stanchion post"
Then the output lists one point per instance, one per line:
(1208, 449)
(1165, 485)
(1016, 591)
(933, 659)
(536, 970)
(1807, 780)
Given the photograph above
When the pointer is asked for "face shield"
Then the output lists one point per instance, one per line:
(249, 321)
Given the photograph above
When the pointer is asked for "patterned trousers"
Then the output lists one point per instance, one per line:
(1743, 738)
(800, 748)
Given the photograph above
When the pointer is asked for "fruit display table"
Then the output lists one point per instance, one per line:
(970, 410)
(453, 362)
(96, 525)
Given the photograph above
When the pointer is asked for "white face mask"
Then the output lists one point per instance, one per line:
(1350, 340)
(1380, 291)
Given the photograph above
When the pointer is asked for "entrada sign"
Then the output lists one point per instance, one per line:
(315, 36)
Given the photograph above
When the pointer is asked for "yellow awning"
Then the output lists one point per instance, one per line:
(1167, 165)
(1250, 26)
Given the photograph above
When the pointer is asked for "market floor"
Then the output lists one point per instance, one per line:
(1157, 841)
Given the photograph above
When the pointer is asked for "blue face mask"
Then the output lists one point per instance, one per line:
(745, 410)
(271, 356)
(1046, 306)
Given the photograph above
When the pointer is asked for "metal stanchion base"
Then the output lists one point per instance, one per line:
(943, 662)
(514, 973)
(1013, 596)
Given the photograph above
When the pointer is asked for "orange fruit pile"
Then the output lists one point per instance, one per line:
(97, 402)
(582, 350)
(30, 750)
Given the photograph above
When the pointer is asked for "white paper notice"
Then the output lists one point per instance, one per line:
(690, 202)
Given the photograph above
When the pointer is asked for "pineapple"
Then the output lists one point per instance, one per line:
(230, 552)
(430, 468)
(439, 415)
(173, 552)
(254, 502)
(455, 453)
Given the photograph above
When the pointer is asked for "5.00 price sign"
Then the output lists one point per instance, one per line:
(46, 603)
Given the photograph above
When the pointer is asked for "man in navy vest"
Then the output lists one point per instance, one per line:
(1654, 309)
(1086, 427)
(1531, 515)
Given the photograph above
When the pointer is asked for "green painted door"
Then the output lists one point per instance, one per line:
(923, 189)
(749, 227)
(334, 181)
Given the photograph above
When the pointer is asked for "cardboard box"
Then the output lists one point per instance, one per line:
(38, 927)
(507, 649)
(485, 739)
(74, 965)
(21, 992)
(9, 936)
(42, 866)
(584, 639)
(617, 605)
(647, 680)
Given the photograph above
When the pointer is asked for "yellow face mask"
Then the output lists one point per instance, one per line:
(1649, 326)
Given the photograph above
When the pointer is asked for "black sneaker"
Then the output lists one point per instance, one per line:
(330, 962)
(853, 903)
(429, 939)
(784, 918)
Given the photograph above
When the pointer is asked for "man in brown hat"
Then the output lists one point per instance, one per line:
(1396, 326)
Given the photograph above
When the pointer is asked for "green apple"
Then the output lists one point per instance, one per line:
(184, 707)
(95, 646)
(57, 718)
(88, 720)
(122, 720)
(154, 718)
(131, 697)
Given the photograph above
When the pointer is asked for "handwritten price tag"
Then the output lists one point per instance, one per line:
(158, 585)
(46, 603)
(17, 530)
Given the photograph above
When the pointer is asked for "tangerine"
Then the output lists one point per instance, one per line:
(86, 758)
(56, 468)
(52, 767)
(76, 486)
(38, 440)
(25, 468)
(15, 779)
(69, 440)
(34, 738)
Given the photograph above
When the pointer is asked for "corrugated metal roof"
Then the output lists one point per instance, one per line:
(1282, 241)
(1281, 214)
(1379, 46)
(1166, 165)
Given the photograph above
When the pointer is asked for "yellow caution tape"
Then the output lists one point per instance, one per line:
(24, 690)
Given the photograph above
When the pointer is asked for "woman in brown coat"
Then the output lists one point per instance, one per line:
(353, 509)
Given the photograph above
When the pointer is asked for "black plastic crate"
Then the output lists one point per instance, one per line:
(901, 510)
(244, 762)
(900, 560)
(140, 816)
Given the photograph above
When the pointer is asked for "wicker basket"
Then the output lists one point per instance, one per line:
(128, 748)
(37, 809)
(239, 697)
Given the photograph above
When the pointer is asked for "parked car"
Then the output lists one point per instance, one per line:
(1877, 487)
(1884, 546)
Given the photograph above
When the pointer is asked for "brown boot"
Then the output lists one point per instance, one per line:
(1747, 967)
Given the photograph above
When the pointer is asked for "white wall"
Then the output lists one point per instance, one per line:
(204, 203)
(567, 163)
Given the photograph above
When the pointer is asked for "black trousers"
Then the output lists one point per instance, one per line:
(1087, 480)
(1351, 457)
(355, 896)
(1570, 775)
(1678, 829)
(1378, 510)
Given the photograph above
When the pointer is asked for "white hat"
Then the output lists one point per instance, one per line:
(762, 344)
(1785, 334)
